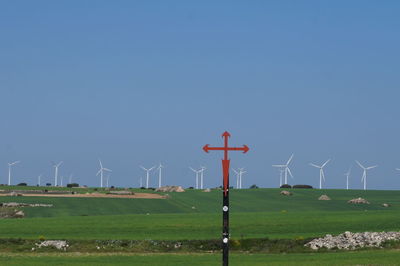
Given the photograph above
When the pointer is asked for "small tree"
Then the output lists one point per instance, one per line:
(253, 186)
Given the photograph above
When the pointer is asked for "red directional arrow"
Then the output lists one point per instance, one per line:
(225, 161)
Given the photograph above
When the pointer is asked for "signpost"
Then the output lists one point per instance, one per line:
(225, 192)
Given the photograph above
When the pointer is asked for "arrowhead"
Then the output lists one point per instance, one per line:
(245, 148)
(205, 148)
(226, 134)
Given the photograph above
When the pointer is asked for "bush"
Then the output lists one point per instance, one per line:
(190, 187)
(286, 186)
(22, 184)
(73, 185)
(48, 184)
(142, 188)
(253, 186)
(302, 186)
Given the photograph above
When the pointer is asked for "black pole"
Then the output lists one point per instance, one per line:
(225, 226)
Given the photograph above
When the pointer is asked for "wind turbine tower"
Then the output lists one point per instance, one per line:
(364, 176)
(241, 172)
(237, 178)
(101, 172)
(202, 176)
(321, 172)
(56, 172)
(197, 176)
(347, 178)
(286, 168)
(147, 174)
(159, 174)
(9, 171)
(39, 179)
(108, 178)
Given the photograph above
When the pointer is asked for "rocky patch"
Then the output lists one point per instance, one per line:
(324, 197)
(170, 189)
(7, 213)
(58, 244)
(349, 240)
(286, 193)
(358, 201)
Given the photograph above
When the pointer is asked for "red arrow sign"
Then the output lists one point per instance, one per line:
(225, 161)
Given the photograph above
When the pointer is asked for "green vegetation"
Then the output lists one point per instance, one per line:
(194, 214)
(376, 257)
(200, 225)
(262, 221)
(257, 200)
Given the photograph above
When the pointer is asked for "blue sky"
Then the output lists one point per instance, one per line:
(139, 82)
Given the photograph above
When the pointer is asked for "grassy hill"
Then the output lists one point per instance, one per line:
(194, 201)
(197, 215)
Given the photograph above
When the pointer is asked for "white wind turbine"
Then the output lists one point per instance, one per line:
(347, 178)
(70, 178)
(147, 174)
(321, 172)
(108, 178)
(159, 174)
(9, 171)
(197, 176)
(241, 172)
(281, 171)
(56, 172)
(237, 178)
(39, 177)
(364, 176)
(285, 167)
(202, 169)
(101, 172)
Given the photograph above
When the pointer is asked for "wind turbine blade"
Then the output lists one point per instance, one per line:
(290, 173)
(142, 167)
(371, 167)
(106, 169)
(398, 169)
(152, 168)
(316, 166)
(101, 165)
(278, 165)
(236, 172)
(360, 164)
(290, 159)
(325, 163)
(98, 172)
(192, 169)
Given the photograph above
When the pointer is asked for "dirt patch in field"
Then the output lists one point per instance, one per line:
(99, 195)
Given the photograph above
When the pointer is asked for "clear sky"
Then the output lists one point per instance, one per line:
(142, 82)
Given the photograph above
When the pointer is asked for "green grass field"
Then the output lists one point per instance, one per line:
(197, 215)
(258, 213)
(380, 257)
